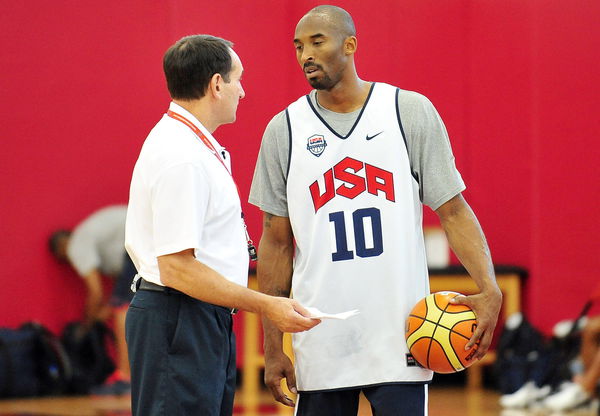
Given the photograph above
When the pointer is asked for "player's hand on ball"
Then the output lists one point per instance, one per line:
(437, 332)
(289, 315)
(486, 306)
(277, 367)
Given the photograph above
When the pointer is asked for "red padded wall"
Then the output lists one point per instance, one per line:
(516, 83)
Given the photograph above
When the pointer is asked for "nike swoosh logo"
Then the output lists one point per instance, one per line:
(373, 136)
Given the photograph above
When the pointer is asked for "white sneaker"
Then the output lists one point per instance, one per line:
(525, 396)
(568, 398)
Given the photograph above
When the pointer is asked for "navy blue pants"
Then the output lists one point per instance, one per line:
(121, 293)
(385, 400)
(181, 354)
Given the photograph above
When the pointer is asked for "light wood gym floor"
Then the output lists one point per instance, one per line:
(443, 401)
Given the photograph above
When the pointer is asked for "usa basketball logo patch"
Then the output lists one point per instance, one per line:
(316, 144)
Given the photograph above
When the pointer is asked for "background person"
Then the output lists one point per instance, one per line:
(95, 248)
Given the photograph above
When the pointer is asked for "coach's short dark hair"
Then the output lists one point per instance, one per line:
(190, 64)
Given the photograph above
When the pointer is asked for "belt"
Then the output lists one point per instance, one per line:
(153, 287)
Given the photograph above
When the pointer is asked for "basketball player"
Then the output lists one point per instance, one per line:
(185, 234)
(342, 172)
(94, 249)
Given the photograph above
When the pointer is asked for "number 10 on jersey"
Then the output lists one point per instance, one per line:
(367, 244)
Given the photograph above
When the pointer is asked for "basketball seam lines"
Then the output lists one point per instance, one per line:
(443, 326)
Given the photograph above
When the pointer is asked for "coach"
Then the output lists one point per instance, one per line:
(185, 234)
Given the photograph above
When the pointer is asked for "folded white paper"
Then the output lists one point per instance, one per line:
(315, 313)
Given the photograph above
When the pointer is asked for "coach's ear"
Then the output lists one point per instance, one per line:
(215, 86)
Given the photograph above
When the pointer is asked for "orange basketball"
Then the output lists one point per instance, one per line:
(437, 332)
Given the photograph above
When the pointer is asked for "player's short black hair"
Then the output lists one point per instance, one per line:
(55, 238)
(192, 61)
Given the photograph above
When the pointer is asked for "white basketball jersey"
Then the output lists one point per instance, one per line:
(357, 219)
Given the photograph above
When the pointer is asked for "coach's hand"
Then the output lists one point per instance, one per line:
(288, 315)
(486, 306)
(277, 367)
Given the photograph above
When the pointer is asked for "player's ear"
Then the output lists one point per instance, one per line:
(350, 45)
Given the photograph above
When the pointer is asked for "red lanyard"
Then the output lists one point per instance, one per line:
(207, 143)
(200, 135)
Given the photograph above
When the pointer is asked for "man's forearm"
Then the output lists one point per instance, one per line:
(468, 242)
(274, 271)
(94, 302)
(183, 272)
(93, 305)
(274, 276)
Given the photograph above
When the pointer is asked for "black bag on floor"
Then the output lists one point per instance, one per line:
(18, 374)
(87, 349)
(53, 365)
(518, 353)
(561, 352)
(32, 362)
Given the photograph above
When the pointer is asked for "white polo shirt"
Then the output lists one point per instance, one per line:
(183, 197)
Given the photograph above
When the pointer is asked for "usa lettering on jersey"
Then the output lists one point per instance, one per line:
(356, 177)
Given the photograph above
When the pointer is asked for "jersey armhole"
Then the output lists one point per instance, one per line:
(289, 126)
(412, 172)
